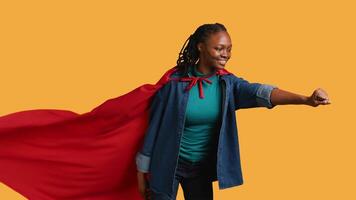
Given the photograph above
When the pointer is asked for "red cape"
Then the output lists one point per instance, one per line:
(59, 154)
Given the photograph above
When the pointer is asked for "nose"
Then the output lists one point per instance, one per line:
(224, 55)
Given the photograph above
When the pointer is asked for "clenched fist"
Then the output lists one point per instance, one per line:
(319, 97)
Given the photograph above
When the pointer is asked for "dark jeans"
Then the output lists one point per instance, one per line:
(193, 179)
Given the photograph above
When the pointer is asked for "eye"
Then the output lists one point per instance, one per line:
(218, 49)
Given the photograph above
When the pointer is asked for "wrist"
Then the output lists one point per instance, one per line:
(306, 100)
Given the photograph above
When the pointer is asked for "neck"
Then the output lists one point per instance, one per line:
(204, 69)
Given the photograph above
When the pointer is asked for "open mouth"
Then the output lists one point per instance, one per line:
(222, 62)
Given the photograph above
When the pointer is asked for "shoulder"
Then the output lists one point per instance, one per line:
(231, 78)
(176, 74)
(169, 81)
(237, 79)
(234, 77)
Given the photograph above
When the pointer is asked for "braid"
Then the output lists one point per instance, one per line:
(189, 55)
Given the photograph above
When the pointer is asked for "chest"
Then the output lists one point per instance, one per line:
(205, 110)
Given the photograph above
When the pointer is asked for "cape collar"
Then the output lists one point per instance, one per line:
(199, 79)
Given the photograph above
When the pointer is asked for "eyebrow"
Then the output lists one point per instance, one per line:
(225, 45)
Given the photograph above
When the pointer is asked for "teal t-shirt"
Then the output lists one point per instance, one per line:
(202, 119)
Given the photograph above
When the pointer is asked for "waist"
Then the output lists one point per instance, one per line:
(191, 162)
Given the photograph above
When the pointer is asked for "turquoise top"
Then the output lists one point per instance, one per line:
(202, 118)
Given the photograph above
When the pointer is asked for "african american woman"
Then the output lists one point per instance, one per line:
(192, 135)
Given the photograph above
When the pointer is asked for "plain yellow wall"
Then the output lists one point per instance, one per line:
(74, 55)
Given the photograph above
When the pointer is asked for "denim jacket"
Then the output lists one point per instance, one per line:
(159, 152)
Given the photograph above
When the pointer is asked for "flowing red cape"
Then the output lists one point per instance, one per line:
(59, 154)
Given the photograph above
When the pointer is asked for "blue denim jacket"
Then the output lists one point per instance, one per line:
(159, 152)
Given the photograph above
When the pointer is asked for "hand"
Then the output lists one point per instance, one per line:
(143, 185)
(319, 97)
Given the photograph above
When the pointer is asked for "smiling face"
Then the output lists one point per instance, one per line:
(216, 50)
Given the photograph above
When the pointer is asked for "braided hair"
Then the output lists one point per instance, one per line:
(189, 55)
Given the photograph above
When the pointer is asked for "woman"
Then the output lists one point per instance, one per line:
(192, 136)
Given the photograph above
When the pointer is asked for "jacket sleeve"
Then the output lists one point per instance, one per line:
(251, 95)
(143, 156)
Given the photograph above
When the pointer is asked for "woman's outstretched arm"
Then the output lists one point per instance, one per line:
(283, 97)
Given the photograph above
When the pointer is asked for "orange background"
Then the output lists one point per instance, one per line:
(74, 55)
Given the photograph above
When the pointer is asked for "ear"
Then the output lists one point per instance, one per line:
(200, 46)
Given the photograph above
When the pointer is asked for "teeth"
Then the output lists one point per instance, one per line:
(222, 61)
